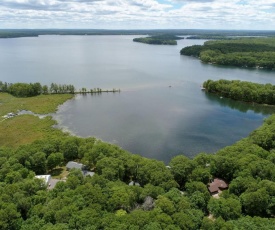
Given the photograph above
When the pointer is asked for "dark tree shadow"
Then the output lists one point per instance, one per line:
(56, 172)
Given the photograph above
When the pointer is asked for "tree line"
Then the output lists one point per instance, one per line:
(155, 41)
(245, 52)
(34, 89)
(174, 197)
(163, 39)
(242, 90)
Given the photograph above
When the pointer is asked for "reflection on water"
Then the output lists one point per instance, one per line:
(162, 122)
(240, 106)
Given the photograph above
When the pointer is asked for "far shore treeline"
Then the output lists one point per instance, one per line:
(240, 52)
(35, 89)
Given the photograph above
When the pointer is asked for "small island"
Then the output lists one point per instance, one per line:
(159, 40)
(240, 52)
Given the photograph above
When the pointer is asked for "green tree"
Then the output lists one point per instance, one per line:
(189, 219)
(166, 205)
(228, 209)
(255, 203)
(38, 163)
(54, 160)
(181, 168)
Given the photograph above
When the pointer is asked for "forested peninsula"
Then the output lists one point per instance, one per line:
(110, 188)
(240, 52)
(159, 40)
(242, 90)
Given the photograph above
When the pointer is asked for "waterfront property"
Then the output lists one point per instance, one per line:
(75, 165)
(217, 186)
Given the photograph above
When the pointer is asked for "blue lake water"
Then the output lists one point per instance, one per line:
(147, 117)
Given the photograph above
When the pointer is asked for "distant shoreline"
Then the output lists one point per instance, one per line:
(17, 33)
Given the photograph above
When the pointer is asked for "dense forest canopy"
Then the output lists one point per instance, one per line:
(242, 90)
(241, 52)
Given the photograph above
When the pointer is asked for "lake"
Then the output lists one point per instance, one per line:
(147, 117)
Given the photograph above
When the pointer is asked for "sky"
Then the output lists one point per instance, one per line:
(138, 14)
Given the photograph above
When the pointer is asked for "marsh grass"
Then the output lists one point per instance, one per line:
(25, 129)
(40, 104)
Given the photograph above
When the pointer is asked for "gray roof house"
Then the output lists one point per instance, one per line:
(74, 165)
(82, 167)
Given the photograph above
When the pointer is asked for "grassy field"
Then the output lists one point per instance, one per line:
(25, 129)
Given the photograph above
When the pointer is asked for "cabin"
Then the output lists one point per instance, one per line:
(217, 186)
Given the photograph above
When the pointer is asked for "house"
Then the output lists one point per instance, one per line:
(82, 167)
(216, 186)
(75, 165)
(45, 178)
(88, 173)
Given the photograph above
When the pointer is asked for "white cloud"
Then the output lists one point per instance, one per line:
(136, 14)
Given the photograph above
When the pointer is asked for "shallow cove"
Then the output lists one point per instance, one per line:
(148, 117)
(162, 122)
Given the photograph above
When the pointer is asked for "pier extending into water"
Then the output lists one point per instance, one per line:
(96, 90)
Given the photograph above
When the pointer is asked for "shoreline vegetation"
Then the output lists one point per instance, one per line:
(25, 129)
(163, 197)
(242, 91)
(240, 52)
(165, 39)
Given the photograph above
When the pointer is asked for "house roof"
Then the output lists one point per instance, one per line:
(74, 165)
(134, 183)
(44, 178)
(216, 185)
(88, 173)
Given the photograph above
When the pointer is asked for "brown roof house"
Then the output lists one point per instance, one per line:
(216, 186)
